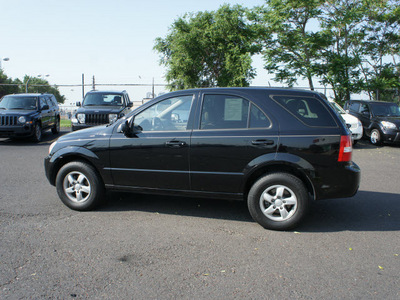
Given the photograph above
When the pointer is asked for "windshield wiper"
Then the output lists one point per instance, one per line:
(3, 108)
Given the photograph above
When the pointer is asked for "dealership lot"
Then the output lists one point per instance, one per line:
(147, 247)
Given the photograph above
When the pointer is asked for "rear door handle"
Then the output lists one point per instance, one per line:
(175, 144)
(262, 142)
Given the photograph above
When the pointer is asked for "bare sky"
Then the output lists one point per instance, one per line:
(112, 40)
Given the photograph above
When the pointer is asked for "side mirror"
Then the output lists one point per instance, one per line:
(130, 104)
(129, 129)
(78, 103)
(45, 107)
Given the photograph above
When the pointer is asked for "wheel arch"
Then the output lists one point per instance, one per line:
(281, 166)
(65, 156)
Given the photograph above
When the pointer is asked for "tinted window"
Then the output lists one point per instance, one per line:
(168, 115)
(355, 106)
(257, 118)
(43, 102)
(309, 110)
(224, 112)
(99, 99)
(386, 109)
(364, 109)
(18, 102)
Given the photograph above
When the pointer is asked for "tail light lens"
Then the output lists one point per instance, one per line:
(346, 148)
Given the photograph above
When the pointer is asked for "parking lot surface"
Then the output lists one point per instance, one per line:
(155, 247)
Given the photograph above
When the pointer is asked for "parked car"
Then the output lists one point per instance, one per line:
(381, 120)
(101, 107)
(352, 122)
(253, 144)
(27, 115)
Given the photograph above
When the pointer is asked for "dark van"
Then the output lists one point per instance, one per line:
(276, 149)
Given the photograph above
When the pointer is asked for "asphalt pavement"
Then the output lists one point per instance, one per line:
(156, 247)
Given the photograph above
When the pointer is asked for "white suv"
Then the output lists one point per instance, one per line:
(352, 122)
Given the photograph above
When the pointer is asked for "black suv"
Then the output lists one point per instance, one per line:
(381, 120)
(27, 115)
(101, 107)
(274, 148)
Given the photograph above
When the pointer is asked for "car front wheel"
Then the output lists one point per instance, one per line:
(278, 201)
(376, 138)
(79, 186)
(37, 133)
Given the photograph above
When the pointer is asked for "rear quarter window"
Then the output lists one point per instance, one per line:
(308, 110)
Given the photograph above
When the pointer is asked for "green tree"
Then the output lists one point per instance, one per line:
(290, 49)
(38, 85)
(7, 85)
(341, 21)
(381, 50)
(209, 49)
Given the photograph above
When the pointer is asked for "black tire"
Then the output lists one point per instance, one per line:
(376, 137)
(287, 204)
(355, 142)
(79, 186)
(56, 127)
(37, 133)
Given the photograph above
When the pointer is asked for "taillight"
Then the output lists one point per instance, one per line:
(346, 148)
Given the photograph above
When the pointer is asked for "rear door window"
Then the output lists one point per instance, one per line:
(231, 112)
(308, 110)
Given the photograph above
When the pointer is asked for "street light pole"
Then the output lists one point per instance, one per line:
(3, 58)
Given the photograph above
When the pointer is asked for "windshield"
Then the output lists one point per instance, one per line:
(18, 102)
(337, 107)
(385, 109)
(99, 99)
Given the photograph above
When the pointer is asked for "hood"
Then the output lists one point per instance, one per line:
(395, 120)
(100, 109)
(349, 119)
(18, 112)
(102, 131)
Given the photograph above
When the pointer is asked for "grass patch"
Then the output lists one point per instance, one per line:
(65, 123)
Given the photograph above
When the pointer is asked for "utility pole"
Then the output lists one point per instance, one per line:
(83, 85)
(152, 88)
(93, 84)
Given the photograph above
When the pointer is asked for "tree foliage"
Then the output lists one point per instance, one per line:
(35, 85)
(209, 49)
(348, 49)
(290, 50)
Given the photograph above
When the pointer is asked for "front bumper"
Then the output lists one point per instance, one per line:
(16, 131)
(391, 136)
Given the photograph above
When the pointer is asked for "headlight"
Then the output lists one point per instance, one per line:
(388, 125)
(112, 118)
(22, 120)
(52, 146)
(81, 118)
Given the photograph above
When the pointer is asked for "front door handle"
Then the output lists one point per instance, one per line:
(175, 144)
(262, 142)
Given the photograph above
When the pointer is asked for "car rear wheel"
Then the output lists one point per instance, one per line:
(376, 138)
(79, 186)
(278, 201)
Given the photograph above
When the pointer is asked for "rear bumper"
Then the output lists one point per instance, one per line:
(341, 182)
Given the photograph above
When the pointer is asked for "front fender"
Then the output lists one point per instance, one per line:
(55, 161)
